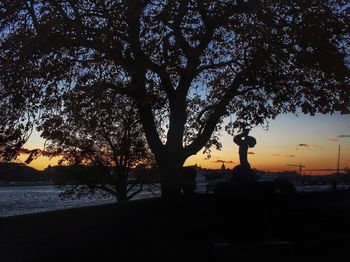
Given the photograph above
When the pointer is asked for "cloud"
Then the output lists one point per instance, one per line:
(333, 139)
(223, 161)
(279, 155)
(316, 145)
(342, 136)
(251, 153)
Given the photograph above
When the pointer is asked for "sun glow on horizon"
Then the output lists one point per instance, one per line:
(40, 163)
(290, 140)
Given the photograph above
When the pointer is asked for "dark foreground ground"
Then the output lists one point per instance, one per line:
(241, 226)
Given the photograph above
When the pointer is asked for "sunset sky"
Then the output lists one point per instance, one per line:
(309, 140)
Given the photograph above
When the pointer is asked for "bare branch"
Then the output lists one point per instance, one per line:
(219, 65)
(164, 76)
(218, 111)
(31, 11)
(104, 188)
(136, 192)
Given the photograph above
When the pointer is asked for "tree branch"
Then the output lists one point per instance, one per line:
(131, 187)
(60, 10)
(104, 188)
(151, 133)
(218, 111)
(73, 4)
(32, 14)
(164, 76)
(177, 29)
(218, 65)
(135, 192)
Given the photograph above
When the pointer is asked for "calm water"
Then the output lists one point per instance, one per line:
(17, 200)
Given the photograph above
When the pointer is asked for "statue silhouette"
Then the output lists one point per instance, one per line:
(244, 142)
(243, 171)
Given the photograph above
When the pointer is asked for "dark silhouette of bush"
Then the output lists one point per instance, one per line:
(284, 186)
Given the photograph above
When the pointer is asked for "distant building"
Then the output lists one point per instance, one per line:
(223, 166)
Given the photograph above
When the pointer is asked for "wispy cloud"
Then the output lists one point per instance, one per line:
(304, 145)
(333, 139)
(223, 161)
(251, 153)
(342, 136)
(279, 155)
(316, 145)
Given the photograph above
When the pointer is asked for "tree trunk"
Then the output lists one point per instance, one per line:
(122, 193)
(121, 185)
(170, 173)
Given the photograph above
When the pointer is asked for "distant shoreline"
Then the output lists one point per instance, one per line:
(15, 184)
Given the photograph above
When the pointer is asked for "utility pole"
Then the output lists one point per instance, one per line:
(338, 159)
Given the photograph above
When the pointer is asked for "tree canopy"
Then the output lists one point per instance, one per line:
(102, 132)
(185, 63)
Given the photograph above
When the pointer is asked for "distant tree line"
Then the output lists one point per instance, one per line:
(15, 172)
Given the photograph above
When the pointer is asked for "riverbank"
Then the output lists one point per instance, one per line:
(205, 227)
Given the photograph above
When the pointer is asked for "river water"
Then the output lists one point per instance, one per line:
(18, 200)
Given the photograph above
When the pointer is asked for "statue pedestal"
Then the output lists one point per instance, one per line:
(243, 175)
(247, 206)
(246, 189)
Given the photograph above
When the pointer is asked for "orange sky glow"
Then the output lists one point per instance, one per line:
(290, 140)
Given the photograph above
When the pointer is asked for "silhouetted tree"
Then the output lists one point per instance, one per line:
(102, 135)
(16, 125)
(185, 63)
